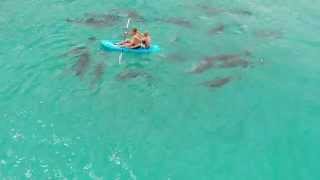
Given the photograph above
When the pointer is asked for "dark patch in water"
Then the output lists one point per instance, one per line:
(232, 63)
(216, 30)
(131, 74)
(217, 82)
(175, 57)
(174, 39)
(133, 14)
(178, 21)
(211, 11)
(225, 57)
(136, 16)
(203, 66)
(241, 12)
(268, 34)
(76, 51)
(92, 38)
(96, 20)
(223, 61)
(214, 11)
(82, 64)
(99, 70)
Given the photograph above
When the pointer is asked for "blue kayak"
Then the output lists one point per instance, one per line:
(110, 46)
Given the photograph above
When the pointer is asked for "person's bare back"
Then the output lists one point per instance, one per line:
(146, 40)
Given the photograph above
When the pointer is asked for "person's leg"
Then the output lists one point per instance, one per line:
(123, 42)
(135, 46)
(126, 44)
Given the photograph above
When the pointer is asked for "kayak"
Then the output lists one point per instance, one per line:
(110, 46)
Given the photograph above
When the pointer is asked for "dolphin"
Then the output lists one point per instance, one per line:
(210, 11)
(82, 64)
(204, 65)
(98, 72)
(131, 74)
(217, 29)
(177, 21)
(227, 60)
(136, 16)
(241, 12)
(226, 57)
(268, 34)
(175, 57)
(217, 82)
(96, 20)
(76, 51)
(92, 38)
(133, 14)
(232, 63)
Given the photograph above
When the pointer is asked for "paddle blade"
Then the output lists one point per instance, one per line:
(120, 58)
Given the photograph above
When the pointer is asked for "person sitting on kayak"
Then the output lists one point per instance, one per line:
(134, 42)
(146, 41)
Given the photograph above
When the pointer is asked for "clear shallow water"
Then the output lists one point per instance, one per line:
(70, 117)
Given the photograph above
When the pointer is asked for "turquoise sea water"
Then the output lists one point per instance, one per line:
(69, 110)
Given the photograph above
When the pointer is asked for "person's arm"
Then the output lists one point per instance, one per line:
(136, 42)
